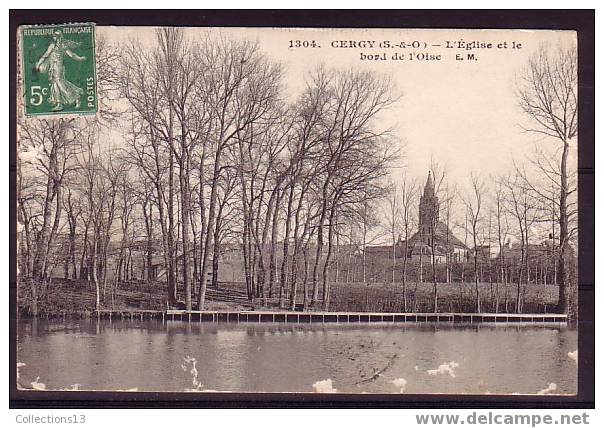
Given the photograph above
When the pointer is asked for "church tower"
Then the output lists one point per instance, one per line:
(428, 209)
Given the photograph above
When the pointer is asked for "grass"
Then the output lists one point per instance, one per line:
(79, 297)
(75, 296)
(454, 297)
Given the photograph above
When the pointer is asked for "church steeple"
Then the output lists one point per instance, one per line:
(428, 208)
(429, 187)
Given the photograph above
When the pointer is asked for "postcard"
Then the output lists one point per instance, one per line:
(327, 210)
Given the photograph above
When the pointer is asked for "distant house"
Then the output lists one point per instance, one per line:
(542, 251)
(483, 252)
(385, 251)
(230, 264)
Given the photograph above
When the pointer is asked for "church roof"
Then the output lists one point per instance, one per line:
(440, 236)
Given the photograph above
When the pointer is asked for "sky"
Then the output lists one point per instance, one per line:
(463, 114)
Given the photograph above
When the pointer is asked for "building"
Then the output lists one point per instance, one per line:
(230, 264)
(432, 235)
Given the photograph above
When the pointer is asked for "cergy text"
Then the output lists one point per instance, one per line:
(363, 44)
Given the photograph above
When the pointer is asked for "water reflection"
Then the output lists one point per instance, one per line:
(148, 355)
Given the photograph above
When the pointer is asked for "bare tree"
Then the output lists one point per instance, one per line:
(502, 227)
(168, 94)
(474, 204)
(224, 219)
(99, 190)
(353, 153)
(521, 207)
(547, 93)
(393, 223)
(409, 192)
(449, 194)
(368, 222)
(147, 82)
(438, 175)
(73, 210)
(240, 87)
(55, 145)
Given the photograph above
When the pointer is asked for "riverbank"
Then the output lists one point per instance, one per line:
(78, 298)
(289, 317)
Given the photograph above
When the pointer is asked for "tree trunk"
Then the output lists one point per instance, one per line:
(44, 236)
(185, 217)
(288, 215)
(405, 256)
(215, 261)
(434, 282)
(520, 272)
(210, 225)
(562, 274)
(272, 267)
(297, 245)
(477, 290)
(319, 251)
(328, 257)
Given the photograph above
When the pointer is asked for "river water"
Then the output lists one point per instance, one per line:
(394, 358)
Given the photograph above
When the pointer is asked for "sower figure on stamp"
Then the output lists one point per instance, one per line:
(62, 91)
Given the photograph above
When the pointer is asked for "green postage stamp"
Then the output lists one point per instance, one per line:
(59, 69)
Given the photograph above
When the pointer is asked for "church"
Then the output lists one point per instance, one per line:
(432, 235)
